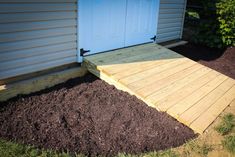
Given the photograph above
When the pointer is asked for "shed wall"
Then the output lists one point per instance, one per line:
(171, 19)
(36, 35)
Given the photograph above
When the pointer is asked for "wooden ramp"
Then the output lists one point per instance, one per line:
(190, 92)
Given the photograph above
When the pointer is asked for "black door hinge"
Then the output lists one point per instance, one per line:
(154, 38)
(82, 51)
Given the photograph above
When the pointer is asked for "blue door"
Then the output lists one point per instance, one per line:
(106, 25)
(141, 21)
(101, 25)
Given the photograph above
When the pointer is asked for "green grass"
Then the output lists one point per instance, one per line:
(229, 144)
(227, 124)
(12, 149)
(166, 153)
(200, 149)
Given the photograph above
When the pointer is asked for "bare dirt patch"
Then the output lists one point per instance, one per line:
(88, 116)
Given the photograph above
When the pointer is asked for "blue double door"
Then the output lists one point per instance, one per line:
(111, 24)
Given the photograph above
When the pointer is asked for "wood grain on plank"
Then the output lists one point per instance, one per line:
(197, 95)
(174, 87)
(110, 54)
(182, 93)
(145, 62)
(148, 74)
(127, 54)
(213, 111)
(148, 87)
(197, 109)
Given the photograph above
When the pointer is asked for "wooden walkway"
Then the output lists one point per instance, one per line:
(190, 92)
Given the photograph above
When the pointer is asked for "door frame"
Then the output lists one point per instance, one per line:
(79, 57)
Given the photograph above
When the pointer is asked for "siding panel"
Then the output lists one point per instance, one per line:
(169, 25)
(35, 60)
(29, 26)
(36, 35)
(170, 29)
(39, 16)
(37, 1)
(23, 8)
(25, 53)
(171, 18)
(37, 67)
(27, 44)
(18, 36)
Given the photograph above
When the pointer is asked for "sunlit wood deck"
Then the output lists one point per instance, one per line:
(190, 92)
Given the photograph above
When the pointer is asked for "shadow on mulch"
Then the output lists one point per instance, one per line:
(88, 116)
(219, 60)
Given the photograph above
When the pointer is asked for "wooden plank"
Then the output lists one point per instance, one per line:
(193, 98)
(159, 56)
(174, 87)
(179, 43)
(39, 83)
(197, 109)
(133, 58)
(111, 54)
(124, 67)
(145, 74)
(201, 123)
(182, 93)
(166, 81)
(131, 55)
(141, 59)
(137, 69)
(136, 82)
(160, 84)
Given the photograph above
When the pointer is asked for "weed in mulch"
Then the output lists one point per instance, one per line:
(229, 144)
(226, 125)
(166, 153)
(200, 149)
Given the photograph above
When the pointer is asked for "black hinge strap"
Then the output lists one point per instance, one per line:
(82, 51)
(154, 38)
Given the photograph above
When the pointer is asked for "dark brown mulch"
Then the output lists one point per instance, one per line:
(88, 116)
(220, 60)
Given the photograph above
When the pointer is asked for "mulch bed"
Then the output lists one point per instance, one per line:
(88, 116)
(219, 60)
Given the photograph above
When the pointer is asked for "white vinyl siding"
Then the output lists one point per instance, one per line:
(36, 35)
(171, 19)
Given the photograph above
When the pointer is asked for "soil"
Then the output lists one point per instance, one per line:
(219, 60)
(88, 116)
